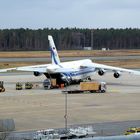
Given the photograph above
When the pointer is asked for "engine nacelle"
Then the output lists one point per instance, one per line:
(37, 73)
(117, 74)
(101, 72)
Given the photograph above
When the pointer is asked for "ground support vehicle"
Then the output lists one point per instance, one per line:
(132, 130)
(2, 89)
(18, 86)
(89, 87)
(28, 85)
(50, 84)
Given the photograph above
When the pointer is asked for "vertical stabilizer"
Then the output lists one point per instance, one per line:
(54, 54)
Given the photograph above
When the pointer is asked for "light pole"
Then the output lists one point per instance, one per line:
(66, 108)
(66, 105)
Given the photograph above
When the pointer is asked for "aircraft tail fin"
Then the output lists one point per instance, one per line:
(54, 54)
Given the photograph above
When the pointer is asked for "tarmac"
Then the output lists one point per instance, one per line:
(41, 109)
(48, 59)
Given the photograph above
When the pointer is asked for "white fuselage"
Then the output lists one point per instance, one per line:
(78, 72)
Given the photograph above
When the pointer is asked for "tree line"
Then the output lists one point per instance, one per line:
(69, 39)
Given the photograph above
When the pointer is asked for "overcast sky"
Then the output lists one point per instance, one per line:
(69, 13)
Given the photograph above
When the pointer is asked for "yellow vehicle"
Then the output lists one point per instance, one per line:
(132, 130)
(18, 86)
(89, 87)
(28, 85)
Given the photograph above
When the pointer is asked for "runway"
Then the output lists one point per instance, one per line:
(40, 109)
(105, 58)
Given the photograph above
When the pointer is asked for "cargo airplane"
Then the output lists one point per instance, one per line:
(73, 71)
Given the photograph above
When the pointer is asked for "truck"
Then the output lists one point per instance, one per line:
(89, 87)
(50, 83)
(132, 131)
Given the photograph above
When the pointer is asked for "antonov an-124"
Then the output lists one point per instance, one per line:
(72, 71)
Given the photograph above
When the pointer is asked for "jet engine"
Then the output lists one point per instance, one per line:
(101, 72)
(117, 74)
(37, 73)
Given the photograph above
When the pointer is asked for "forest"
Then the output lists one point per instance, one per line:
(69, 39)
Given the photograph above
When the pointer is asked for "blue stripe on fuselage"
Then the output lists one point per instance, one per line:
(80, 72)
(72, 74)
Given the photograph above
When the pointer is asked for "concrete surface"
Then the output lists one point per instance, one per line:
(48, 59)
(38, 108)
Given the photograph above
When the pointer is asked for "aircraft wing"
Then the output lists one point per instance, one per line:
(42, 69)
(38, 68)
(6, 70)
(62, 70)
(32, 69)
(110, 68)
(46, 69)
